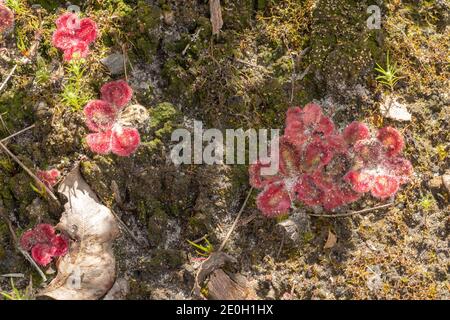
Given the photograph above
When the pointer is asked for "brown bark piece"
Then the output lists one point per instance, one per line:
(222, 286)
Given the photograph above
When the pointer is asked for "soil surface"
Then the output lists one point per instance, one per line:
(269, 55)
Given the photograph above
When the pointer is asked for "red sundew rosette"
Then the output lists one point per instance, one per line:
(6, 18)
(74, 35)
(44, 244)
(101, 118)
(49, 177)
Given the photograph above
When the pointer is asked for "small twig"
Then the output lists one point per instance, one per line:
(4, 124)
(350, 213)
(8, 77)
(127, 230)
(17, 133)
(236, 220)
(30, 173)
(125, 58)
(12, 275)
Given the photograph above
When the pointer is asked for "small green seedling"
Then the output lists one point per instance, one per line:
(40, 191)
(15, 294)
(427, 202)
(388, 76)
(74, 93)
(202, 250)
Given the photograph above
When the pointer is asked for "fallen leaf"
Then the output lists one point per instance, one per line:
(88, 271)
(393, 109)
(331, 241)
(216, 16)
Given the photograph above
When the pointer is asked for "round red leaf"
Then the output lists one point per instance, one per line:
(64, 39)
(355, 131)
(99, 142)
(257, 180)
(384, 186)
(87, 31)
(274, 200)
(60, 245)
(125, 141)
(391, 140)
(359, 180)
(42, 254)
(100, 115)
(118, 93)
(27, 241)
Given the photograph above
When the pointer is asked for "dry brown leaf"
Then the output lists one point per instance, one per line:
(216, 16)
(87, 272)
(331, 241)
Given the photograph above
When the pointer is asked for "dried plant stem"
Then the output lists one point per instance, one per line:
(33, 263)
(16, 243)
(17, 133)
(30, 173)
(233, 226)
(347, 214)
(8, 77)
(12, 275)
(127, 230)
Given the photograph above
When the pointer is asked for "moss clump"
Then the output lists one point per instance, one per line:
(156, 227)
(165, 259)
(162, 118)
(143, 25)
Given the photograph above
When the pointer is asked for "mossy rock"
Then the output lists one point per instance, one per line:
(165, 259)
(156, 226)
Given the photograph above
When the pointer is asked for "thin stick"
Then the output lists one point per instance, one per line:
(125, 58)
(8, 77)
(351, 213)
(281, 246)
(17, 133)
(16, 242)
(12, 275)
(127, 230)
(34, 264)
(236, 220)
(47, 189)
(4, 124)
